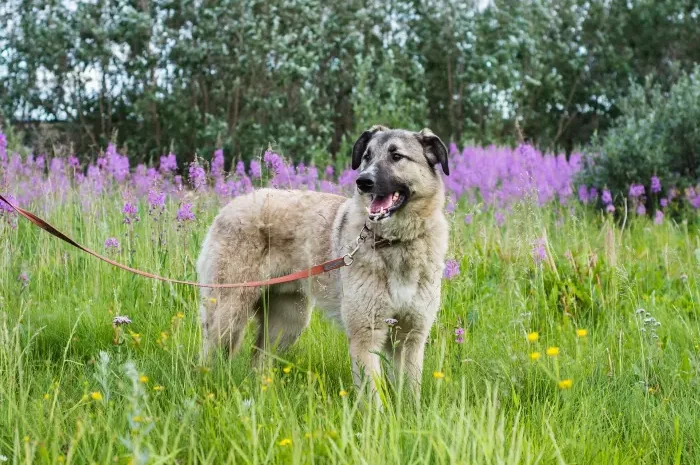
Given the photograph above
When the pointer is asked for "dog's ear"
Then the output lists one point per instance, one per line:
(361, 144)
(434, 149)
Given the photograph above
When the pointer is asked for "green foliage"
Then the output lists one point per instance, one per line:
(308, 75)
(657, 135)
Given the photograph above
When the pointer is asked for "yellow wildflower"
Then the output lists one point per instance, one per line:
(97, 395)
(143, 379)
(158, 387)
(137, 419)
(343, 393)
(565, 384)
(287, 369)
(136, 337)
(533, 336)
(212, 300)
(285, 442)
(163, 337)
(180, 315)
(46, 397)
(581, 332)
(552, 351)
(535, 356)
(438, 374)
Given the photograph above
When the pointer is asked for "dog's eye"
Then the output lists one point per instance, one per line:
(396, 156)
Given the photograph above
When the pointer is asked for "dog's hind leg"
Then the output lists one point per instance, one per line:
(225, 318)
(281, 318)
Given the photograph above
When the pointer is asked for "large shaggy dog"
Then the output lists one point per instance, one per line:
(396, 273)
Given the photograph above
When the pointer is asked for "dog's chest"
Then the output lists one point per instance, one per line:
(402, 290)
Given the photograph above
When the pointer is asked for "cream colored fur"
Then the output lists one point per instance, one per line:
(274, 232)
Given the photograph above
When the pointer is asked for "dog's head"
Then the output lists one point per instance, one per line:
(399, 171)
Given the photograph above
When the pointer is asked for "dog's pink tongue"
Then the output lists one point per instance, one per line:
(380, 203)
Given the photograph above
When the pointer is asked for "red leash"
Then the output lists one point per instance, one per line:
(324, 267)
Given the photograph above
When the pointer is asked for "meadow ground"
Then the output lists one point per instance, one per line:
(581, 345)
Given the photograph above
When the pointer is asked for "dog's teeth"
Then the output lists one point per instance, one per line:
(396, 195)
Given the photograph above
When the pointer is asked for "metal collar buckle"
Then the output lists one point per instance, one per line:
(349, 258)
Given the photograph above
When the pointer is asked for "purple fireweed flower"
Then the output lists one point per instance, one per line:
(539, 252)
(693, 197)
(6, 208)
(198, 177)
(73, 161)
(177, 181)
(655, 184)
(115, 164)
(610, 208)
(459, 335)
(468, 218)
(3, 148)
(168, 163)
(583, 193)
(641, 209)
(221, 188)
(156, 201)
(23, 278)
(112, 244)
(184, 213)
(500, 218)
(273, 161)
(606, 197)
(347, 178)
(593, 194)
(255, 169)
(636, 190)
(328, 172)
(130, 212)
(663, 202)
(240, 169)
(658, 217)
(391, 321)
(451, 269)
(217, 162)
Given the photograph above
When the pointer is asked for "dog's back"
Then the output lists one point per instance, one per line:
(264, 234)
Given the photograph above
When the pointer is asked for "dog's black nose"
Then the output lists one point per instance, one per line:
(365, 183)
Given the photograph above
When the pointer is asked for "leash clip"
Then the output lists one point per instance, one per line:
(349, 258)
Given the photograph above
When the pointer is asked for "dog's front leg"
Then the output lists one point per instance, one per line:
(408, 360)
(366, 362)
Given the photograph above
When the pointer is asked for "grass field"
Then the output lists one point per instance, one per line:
(618, 307)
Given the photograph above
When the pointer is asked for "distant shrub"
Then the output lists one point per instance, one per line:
(657, 136)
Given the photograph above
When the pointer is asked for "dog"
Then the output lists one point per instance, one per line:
(386, 301)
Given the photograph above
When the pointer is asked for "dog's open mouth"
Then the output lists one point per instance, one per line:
(382, 207)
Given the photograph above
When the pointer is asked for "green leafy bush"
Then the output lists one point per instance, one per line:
(658, 135)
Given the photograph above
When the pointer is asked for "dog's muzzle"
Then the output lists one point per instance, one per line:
(382, 205)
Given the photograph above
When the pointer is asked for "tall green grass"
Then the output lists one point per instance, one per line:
(68, 394)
